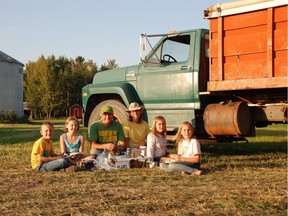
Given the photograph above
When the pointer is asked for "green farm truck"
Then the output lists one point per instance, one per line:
(226, 80)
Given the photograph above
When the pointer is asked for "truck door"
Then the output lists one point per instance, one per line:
(166, 81)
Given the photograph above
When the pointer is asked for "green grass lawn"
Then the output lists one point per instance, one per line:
(240, 179)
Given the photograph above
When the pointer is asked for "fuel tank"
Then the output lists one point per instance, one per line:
(233, 118)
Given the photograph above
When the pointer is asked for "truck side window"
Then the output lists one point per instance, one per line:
(176, 49)
(173, 49)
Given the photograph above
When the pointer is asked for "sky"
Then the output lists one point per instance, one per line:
(94, 29)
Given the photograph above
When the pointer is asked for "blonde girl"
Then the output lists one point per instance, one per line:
(156, 140)
(188, 159)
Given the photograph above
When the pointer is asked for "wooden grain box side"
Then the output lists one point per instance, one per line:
(249, 50)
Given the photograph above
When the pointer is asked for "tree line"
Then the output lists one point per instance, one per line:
(52, 85)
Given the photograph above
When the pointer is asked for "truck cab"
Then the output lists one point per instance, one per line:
(167, 81)
(226, 80)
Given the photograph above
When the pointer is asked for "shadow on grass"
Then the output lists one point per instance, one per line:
(16, 135)
(10, 136)
(266, 132)
(228, 166)
(237, 156)
(58, 122)
(243, 148)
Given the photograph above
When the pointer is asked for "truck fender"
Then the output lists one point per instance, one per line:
(120, 95)
(126, 91)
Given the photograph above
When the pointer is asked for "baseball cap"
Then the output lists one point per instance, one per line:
(106, 109)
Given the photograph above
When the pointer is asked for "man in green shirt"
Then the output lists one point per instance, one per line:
(105, 133)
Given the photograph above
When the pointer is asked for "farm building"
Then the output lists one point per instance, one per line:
(11, 84)
(76, 110)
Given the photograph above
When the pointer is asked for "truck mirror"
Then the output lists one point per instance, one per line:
(143, 47)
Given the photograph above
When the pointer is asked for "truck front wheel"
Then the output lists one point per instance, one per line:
(119, 109)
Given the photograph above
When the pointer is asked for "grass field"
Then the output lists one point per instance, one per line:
(240, 179)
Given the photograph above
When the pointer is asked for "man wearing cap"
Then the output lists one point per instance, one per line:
(105, 133)
(135, 129)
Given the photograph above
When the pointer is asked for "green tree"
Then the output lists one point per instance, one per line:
(52, 85)
(82, 74)
(59, 69)
(33, 85)
(111, 64)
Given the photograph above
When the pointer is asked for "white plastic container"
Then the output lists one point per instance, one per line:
(143, 151)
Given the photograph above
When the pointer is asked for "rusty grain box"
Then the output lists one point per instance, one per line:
(248, 45)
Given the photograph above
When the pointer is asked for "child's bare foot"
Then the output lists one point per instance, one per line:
(183, 173)
(197, 172)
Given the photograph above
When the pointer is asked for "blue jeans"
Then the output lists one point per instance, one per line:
(156, 159)
(180, 167)
(54, 165)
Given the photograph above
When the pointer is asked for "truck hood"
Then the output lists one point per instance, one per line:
(114, 75)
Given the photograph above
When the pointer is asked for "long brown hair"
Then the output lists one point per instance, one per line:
(139, 120)
(154, 130)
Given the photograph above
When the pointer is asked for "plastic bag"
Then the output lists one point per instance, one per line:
(102, 162)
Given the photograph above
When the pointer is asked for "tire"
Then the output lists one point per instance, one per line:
(119, 109)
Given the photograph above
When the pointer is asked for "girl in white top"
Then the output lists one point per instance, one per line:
(188, 159)
(156, 140)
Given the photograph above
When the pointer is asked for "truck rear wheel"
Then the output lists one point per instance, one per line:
(119, 109)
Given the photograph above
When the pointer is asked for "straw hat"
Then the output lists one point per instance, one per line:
(134, 106)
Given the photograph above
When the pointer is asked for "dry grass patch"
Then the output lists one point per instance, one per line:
(144, 192)
(240, 179)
